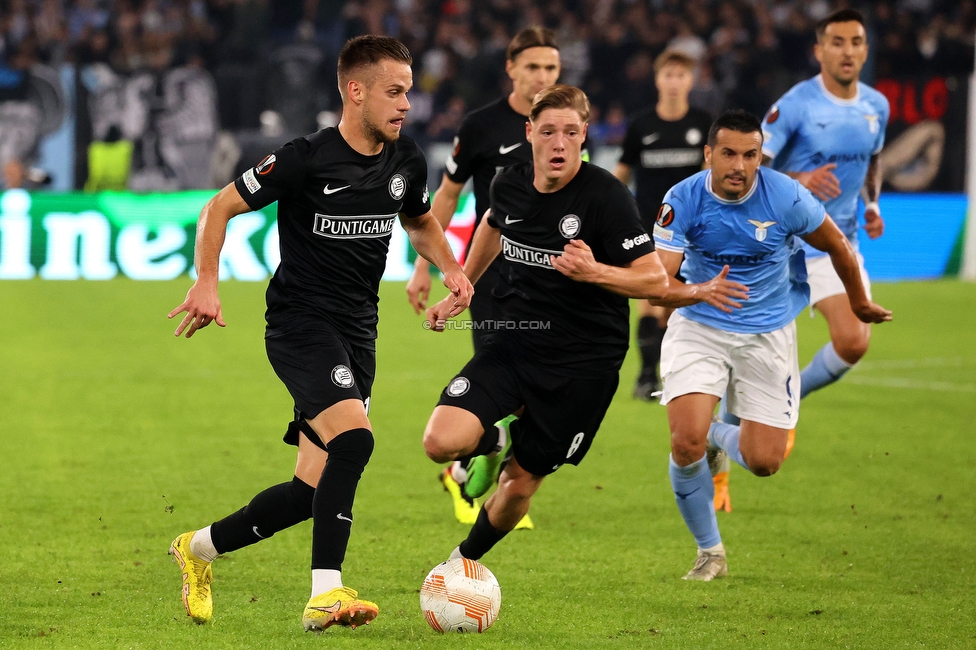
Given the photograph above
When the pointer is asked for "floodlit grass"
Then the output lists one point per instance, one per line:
(115, 437)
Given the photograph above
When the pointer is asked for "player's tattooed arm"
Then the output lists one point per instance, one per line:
(829, 238)
(719, 292)
(202, 303)
(871, 192)
(427, 237)
(442, 207)
(644, 277)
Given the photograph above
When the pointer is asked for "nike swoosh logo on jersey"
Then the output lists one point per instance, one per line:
(651, 139)
(339, 516)
(504, 150)
(328, 190)
(509, 220)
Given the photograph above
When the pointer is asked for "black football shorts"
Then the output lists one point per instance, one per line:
(561, 415)
(319, 368)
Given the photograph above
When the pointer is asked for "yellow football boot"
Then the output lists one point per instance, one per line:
(339, 606)
(465, 510)
(197, 576)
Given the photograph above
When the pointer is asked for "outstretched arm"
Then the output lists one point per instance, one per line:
(719, 292)
(443, 208)
(644, 277)
(202, 303)
(428, 239)
(485, 246)
(829, 238)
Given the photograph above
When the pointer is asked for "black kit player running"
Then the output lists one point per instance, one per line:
(340, 193)
(573, 250)
(663, 146)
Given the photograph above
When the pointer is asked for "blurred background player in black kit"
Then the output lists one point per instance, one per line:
(572, 250)
(340, 192)
(663, 146)
(490, 138)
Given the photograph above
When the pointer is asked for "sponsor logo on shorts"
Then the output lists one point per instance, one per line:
(398, 185)
(265, 166)
(342, 376)
(569, 226)
(250, 182)
(528, 255)
(665, 215)
(636, 241)
(354, 227)
(459, 386)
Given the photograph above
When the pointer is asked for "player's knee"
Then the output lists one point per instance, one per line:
(437, 445)
(354, 446)
(765, 464)
(686, 448)
(852, 346)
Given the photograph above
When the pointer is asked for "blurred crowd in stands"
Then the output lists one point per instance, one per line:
(186, 92)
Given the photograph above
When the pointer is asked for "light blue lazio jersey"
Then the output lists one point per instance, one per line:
(809, 127)
(754, 235)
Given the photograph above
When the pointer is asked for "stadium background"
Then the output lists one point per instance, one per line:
(176, 95)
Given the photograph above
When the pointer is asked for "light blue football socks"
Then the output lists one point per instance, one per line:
(726, 437)
(694, 493)
(825, 368)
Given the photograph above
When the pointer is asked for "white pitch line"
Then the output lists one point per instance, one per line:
(887, 364)
(912, 384)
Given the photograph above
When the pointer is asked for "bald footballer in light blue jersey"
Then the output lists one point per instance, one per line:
(827, 133)
(734, 227)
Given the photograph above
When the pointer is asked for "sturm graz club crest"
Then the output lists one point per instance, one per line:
(458, 387)
(342, 376)
(398, 185)
(569, 226)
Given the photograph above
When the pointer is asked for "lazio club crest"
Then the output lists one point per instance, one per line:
(761, 227)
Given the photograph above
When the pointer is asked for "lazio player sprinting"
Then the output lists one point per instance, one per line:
(827, 132)
(734, 333)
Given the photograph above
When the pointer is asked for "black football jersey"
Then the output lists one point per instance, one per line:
(576, 328)
(490, 138)
(661, 154)
(336, 211)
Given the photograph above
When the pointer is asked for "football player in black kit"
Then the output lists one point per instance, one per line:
(663, 145)
(339, 192)
(490, 138)
(573, 250)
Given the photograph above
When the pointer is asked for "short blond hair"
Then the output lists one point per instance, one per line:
(668, 57)
(561, 96)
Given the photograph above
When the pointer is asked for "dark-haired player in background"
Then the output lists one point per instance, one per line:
(827, 132)
(340, 192)
(490, 138)
(663, 146)
(572, 251)
(734, 226)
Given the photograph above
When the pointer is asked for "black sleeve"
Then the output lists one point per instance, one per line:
(464, 159)
(622, 232)
(491, 200)
(280, 173)
(631, 153)
(417, 199)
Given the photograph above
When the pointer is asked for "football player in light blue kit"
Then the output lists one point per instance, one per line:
(827, 132)
(734, 333)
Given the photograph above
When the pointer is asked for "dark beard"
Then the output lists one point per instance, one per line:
(375, 134)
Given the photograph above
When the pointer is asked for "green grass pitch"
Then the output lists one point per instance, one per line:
(115, 437)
